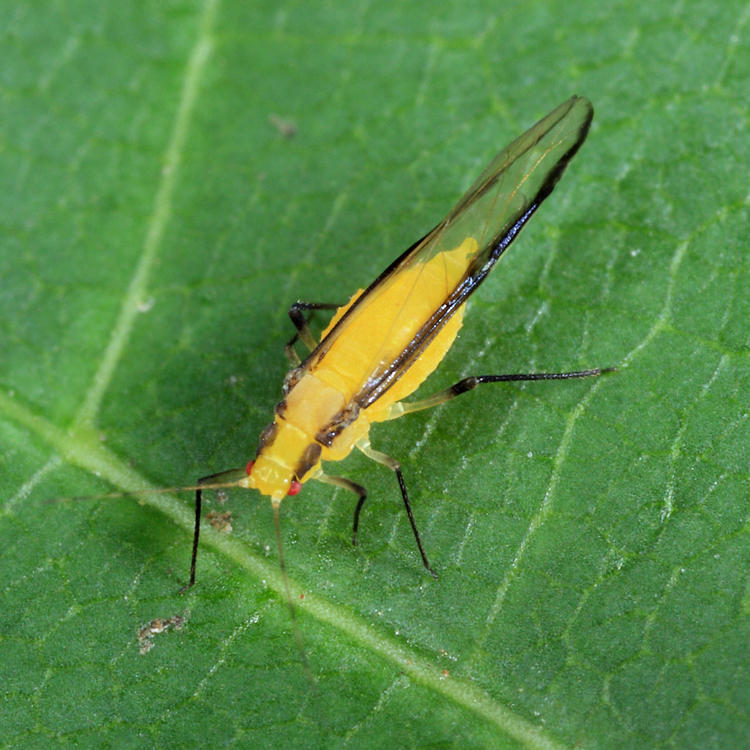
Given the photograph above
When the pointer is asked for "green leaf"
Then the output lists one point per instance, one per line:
(159, 217)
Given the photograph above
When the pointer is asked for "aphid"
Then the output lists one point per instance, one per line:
(382, 344)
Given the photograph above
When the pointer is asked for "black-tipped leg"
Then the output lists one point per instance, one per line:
(470, 383)
(219, 478)
(394, 465)
(196, 537)
(357, 489)
(355, 525)
(301, 323)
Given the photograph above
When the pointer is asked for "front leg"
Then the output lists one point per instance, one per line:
(301, 323)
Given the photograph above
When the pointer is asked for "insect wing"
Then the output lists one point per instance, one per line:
(520, 177)
(491, 212)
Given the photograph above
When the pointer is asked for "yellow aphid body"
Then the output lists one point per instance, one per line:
(381, 345)
(320, 419)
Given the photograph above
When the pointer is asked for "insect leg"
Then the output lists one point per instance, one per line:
(357, 489)
(468, 384)
(297, 315)
(394, 465)
(220, 478)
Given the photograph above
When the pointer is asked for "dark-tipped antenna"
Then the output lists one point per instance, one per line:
(282, 565)
(145, 491)
(223, 480)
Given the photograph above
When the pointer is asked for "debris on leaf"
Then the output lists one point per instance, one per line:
(159, 625)
(220, 521)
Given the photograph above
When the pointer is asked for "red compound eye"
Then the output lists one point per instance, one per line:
(294, 487)
(249, 467)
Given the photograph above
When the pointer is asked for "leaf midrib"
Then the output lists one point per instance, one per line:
(83, 449)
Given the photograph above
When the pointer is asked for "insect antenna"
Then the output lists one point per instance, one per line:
(220, 481)
(144, 491)
(292, 611)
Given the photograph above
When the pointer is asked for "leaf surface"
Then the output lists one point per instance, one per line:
(157, 220)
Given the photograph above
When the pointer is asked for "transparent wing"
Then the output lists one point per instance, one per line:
(492, 212)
